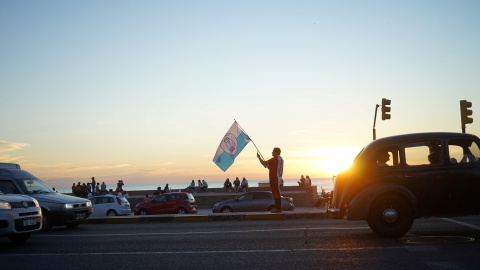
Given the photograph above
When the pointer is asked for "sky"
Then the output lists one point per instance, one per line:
(144, 91)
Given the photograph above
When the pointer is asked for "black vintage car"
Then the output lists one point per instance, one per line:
(396, 179)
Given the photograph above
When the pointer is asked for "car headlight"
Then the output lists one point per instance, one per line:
(216, 205)
(68, 206)
(36, 202)
(89, 204)
(5, 206)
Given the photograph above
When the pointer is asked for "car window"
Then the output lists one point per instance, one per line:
(174, 197)
(109, 200)
(388, 157)
(463, 151)
(423, 153)
(160, 198)
(262, 196)
(8, 187)
(94, 200)
(33, 186)
(246, 196)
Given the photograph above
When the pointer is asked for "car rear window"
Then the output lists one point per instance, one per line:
(190, 198)
(463, 151)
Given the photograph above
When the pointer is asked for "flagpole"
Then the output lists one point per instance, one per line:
(249, 138)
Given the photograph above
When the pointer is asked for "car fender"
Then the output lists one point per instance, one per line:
(359, 206)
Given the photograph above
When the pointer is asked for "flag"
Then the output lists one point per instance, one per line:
(231, 145)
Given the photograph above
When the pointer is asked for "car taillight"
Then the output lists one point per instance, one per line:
(118, 201)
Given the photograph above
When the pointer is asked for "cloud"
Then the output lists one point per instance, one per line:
(8, 147)
(94, 168)
(11, 146)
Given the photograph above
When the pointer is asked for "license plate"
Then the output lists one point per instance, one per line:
(80, 216)
(29, 222)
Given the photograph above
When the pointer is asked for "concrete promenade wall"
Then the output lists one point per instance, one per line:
(206, 199)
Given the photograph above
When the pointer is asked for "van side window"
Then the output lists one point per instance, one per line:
(463, 151)
(423, 153)
(6, 186)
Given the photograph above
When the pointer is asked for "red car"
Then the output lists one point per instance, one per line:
(172, 203)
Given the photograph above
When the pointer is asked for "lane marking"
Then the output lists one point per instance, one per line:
(217, 232)
(203, 252)
(462, 223)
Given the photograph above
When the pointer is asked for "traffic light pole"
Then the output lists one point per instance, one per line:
(374, 122)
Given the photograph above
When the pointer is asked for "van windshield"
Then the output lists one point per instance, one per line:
(33, 186)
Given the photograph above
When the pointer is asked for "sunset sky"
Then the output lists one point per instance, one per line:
(145, 90)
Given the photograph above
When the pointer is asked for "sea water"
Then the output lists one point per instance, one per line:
(326, 183)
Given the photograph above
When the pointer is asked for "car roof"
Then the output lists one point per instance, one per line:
(378, 144)
(418, 136)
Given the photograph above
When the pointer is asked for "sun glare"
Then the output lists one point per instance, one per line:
(333, 160)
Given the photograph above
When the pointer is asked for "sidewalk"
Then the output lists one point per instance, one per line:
(205, 215)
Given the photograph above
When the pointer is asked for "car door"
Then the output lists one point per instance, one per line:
(243, 203)
(171, 203)
(158, 205)
(262, 201)
(464, 176)
(100, 206)
(425, 174)
(108, 203)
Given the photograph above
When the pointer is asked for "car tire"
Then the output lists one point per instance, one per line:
(181, 211)
(143, 212)
(226, 210)
(391, 216)
(19, 238)
(111, 213)
(47, 221)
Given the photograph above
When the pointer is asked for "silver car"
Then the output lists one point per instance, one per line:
(251, 202)
(20, 215)
(110, 205)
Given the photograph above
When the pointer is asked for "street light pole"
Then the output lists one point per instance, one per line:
(374, 122)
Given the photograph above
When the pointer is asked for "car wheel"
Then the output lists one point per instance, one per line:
(111, 213)
(226, 210)
(47, 221)
(143, 212)
(19, 238)
(181, 211)
(390, 216)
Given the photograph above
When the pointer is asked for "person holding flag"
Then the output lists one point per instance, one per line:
(275, 172)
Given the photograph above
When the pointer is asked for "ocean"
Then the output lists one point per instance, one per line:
(326, 183)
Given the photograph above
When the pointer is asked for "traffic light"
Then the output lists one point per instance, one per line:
(465, 113)
(386, 108)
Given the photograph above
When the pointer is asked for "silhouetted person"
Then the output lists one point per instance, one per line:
(275, 172)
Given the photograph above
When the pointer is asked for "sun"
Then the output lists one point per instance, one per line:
(333, 166)
(332, 160)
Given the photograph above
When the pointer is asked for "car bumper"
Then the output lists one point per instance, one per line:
(124, 212)
(70, 216)
(13, 222)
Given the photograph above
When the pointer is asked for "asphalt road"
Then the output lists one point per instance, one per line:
(280, 244)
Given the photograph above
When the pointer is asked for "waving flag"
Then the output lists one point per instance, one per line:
(231, 145)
